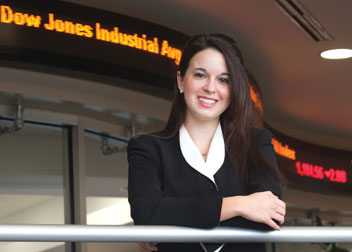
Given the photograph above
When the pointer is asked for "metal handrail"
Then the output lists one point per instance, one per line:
(83, 233)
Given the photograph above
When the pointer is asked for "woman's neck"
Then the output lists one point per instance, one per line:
(201, 133)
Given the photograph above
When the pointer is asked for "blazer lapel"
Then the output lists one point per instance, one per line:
(193, 157)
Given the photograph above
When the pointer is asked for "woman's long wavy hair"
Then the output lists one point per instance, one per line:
(237, 120)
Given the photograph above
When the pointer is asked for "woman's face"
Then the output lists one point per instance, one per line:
(206, 86)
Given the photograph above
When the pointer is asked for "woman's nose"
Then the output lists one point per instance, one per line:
(210, 86)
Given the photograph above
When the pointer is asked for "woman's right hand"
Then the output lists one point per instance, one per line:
(263, 207)
(147, 246)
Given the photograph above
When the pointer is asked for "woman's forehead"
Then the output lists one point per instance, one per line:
(209, 60)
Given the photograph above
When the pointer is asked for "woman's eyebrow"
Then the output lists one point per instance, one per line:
(204, 70)
(200, 69)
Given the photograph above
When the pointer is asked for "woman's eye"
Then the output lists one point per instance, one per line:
(199, 75)
(224, 80)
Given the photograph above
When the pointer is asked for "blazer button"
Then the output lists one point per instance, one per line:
(208, 186)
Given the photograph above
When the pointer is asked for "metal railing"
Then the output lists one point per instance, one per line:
(83, 233)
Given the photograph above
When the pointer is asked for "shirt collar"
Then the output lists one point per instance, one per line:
(193, 157)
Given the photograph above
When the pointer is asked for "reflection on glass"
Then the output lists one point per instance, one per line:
(31, 181)
(106, 170)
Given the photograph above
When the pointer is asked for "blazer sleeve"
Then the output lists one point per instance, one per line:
(258, 181)
(150, 205)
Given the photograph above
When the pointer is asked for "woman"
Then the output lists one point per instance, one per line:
(210, 166)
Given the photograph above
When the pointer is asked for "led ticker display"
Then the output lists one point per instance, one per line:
(284, 151)
(256, 99)
(141, 43)
(308, 166)
(307, 169)
(8, 16)
(48, 31)
(313, 167)
(319, 172)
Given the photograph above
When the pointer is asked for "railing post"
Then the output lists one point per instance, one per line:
(75, 186)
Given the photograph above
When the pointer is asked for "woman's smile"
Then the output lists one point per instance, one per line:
(206, 101)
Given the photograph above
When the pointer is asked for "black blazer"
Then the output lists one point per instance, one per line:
(164, 190)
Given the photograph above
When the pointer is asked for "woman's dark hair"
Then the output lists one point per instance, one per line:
(236, 121)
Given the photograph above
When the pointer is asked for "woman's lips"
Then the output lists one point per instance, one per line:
(206, 101)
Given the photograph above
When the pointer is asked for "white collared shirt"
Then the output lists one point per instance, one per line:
(215, 158)
(216, 153)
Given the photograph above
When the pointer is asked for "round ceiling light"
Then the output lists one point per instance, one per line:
(337, 54)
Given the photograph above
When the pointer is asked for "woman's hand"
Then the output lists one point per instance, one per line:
(263, 207)
(147, 246)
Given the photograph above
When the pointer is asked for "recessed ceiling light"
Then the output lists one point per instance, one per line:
(337, 54)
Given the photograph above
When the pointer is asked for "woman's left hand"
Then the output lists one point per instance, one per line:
(263, 207)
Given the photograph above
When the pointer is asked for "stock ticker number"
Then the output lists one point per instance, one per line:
(318, 172)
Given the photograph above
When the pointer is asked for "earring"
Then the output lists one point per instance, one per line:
(181, 91)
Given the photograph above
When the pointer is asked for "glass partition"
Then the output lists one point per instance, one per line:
(106, 180)
(31, 180)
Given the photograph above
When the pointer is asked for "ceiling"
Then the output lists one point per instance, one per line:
(304, 96)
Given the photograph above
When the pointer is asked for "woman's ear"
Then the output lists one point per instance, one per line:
(179, 81)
